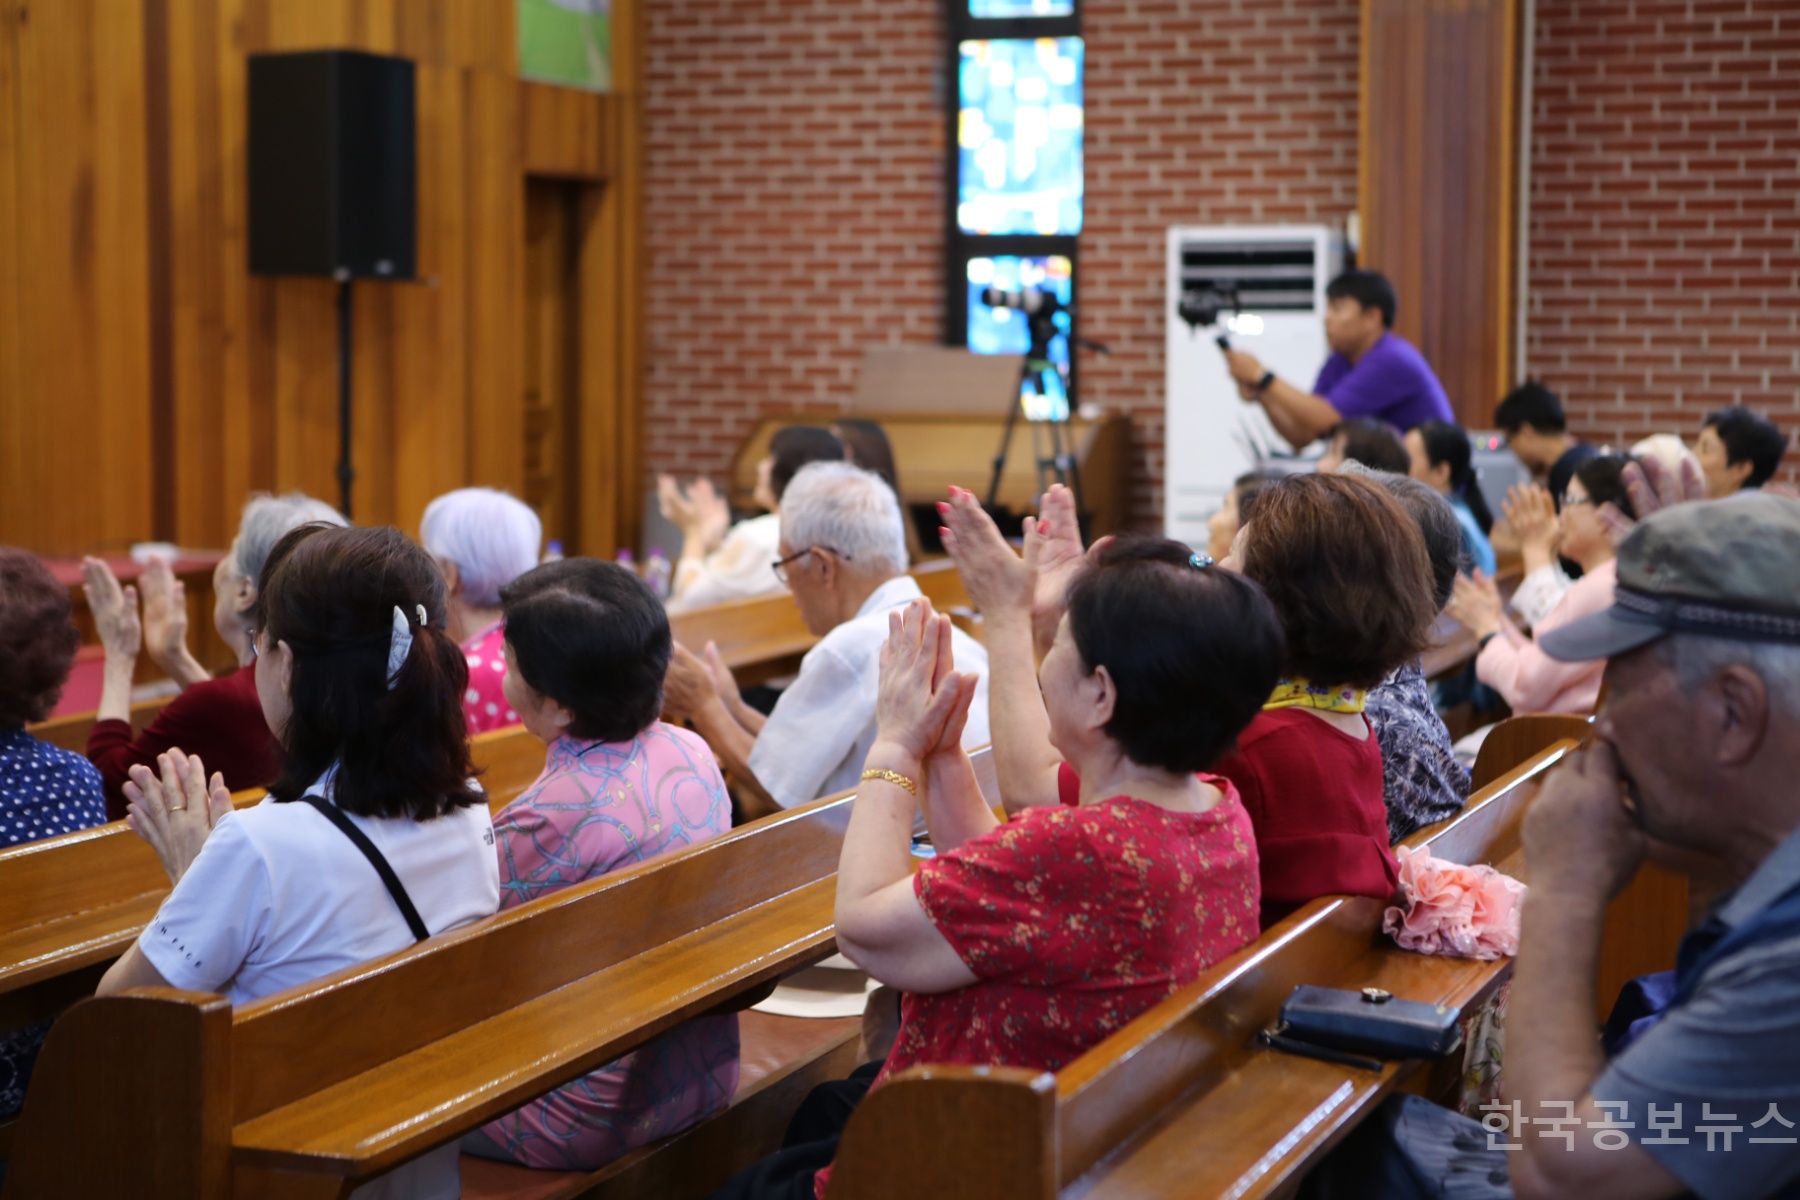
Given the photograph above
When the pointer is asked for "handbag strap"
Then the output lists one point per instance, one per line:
(360, 840)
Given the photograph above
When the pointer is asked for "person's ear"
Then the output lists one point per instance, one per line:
(1102, 696)
(828, 567)
(557, 715)
(1738, 472)
(245, 598)
(1736, 708)
(452, 576)
(281, 657)
(1440, 476)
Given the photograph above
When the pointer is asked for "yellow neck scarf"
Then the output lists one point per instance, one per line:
(1296, 692)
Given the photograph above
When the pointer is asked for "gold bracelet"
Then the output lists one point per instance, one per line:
(893, 777)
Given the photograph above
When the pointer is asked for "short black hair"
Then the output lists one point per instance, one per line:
(593, 637)
(794, 446)
(1193, 652)
(1532, 404)
(1370, 289)
(1751, 437)
(1603, 477)
(1373, 443)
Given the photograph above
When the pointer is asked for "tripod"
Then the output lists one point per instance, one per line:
(1059, 464)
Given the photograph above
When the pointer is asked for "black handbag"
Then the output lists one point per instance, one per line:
(1317, 1021)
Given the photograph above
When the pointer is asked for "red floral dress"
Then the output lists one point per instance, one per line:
(1075, 921)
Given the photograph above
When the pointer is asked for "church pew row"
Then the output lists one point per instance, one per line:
(204, 1101)
(1183, 1101)
(71, 730)
(70, 905)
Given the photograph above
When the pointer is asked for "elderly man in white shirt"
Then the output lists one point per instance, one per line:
(843, 555)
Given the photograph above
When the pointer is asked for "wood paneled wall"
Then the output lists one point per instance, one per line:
(1438, 170)
(148, 382)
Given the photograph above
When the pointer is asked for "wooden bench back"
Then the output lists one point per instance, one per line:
(1032, 1134)
(75, 901)
(71, 730)
(307, 1091)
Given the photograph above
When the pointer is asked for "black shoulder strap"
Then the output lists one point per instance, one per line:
(361, 841)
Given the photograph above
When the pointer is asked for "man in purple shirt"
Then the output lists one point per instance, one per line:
(1372, 371)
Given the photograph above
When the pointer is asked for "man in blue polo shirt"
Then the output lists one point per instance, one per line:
(1372, 371)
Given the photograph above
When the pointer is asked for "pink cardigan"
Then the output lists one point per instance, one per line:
(1532, 681)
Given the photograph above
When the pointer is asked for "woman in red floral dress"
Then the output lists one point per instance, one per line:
(1026, 943)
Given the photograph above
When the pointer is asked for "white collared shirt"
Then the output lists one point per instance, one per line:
(816, 740)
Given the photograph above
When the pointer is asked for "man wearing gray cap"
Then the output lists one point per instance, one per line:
(1696, 746)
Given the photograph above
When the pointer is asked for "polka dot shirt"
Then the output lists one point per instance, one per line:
(44, 791)
(484, 704)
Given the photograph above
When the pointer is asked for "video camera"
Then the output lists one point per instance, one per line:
(1205, 305)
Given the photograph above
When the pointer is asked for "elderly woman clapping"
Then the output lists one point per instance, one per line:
(1024, 944)
(218, 719)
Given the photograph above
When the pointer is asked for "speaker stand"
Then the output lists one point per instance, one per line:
(346, 475)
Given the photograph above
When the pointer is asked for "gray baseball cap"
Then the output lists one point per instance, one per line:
(1723, 568)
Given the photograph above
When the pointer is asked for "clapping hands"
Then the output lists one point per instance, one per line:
(923, 703)
(175, 808)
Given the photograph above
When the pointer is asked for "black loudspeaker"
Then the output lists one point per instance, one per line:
(332, 165)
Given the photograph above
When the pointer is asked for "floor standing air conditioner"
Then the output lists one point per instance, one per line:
(1277, 274)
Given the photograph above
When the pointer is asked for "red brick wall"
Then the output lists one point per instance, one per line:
(795, 197)
(794, 192)
(1199, 112)
(1665, 211)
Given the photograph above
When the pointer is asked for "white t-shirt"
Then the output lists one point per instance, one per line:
(278, 896)
(737, 570)
(815, 742)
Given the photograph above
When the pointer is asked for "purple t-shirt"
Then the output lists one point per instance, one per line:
(1392, 381)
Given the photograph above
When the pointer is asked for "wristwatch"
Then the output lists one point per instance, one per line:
(1262, 385)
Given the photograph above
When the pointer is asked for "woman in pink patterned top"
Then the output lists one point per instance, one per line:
(483, 540)
(1025, 944)
(588, 644)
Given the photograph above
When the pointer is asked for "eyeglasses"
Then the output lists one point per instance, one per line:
(1569, 501)
(779, 566)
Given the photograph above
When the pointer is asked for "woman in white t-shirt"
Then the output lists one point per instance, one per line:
(362, 687)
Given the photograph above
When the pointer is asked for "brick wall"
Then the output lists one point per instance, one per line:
(795, 192)
(1665, 211)
(1199, 112)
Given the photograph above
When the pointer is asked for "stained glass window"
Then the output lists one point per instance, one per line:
(1007, 330)
(1019, 134)
(1021, 8)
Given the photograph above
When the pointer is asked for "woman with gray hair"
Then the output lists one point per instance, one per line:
(218, 719)
(482, 539)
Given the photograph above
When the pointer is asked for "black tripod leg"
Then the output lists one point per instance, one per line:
(1006, 436)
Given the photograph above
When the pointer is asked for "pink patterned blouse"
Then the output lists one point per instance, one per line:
(484, 704)
(599, 807)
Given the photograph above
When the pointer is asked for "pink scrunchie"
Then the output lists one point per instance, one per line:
(1468, 912)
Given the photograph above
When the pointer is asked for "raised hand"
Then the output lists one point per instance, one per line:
(1652, 488)
(175, 808)
(688, 687)
(115, 610)
(1475, 601)
(676, 508)
(165, 619)
(1531, 515)
(1000, 583)
(712, 516)
(922, 704)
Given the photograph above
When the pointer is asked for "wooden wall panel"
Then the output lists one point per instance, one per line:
(1437, 166)
(125, 292)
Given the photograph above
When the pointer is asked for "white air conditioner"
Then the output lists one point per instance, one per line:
(1278, 273)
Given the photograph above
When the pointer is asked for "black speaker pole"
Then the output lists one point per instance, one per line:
(345, 474)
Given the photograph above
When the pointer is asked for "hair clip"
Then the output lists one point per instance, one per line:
(1200, 561)
(420, 609)
(400, 641)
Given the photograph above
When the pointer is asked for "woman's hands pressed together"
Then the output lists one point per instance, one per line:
(1476, 603)
(175, 808)
(923, 703)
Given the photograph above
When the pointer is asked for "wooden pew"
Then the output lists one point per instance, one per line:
(1183, 1101)
(409, 1052)
(70, 905)
(71, 730)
